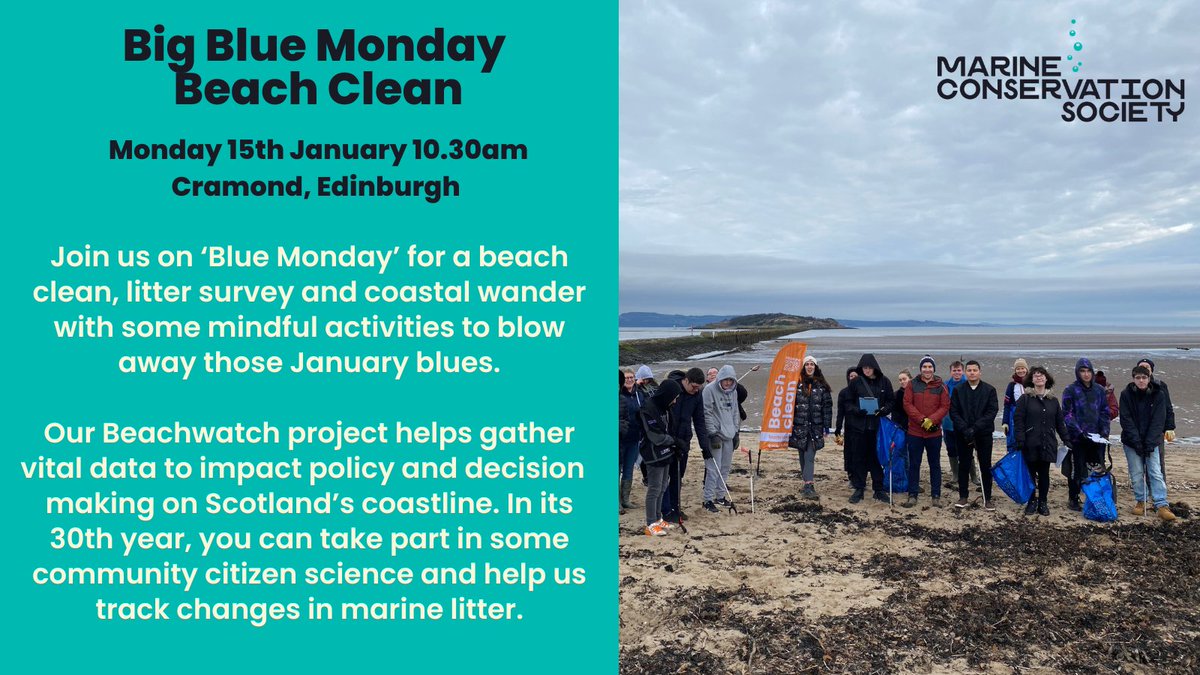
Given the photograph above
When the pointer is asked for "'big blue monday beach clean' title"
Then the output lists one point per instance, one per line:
(364, 87)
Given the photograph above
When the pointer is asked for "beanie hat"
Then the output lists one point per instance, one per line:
(644, 373)
(928, 359)
(1146, 360)
(808, 358)
(1020, 363)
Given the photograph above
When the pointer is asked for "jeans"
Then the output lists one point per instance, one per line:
(931, 447)
(628, 457)
(1143, 470)
(807, 457)
(656, 484)
(722, 460)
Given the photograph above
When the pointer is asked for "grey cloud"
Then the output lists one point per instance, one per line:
(796, 136)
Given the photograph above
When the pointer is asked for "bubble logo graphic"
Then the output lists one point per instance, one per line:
(1078, 46)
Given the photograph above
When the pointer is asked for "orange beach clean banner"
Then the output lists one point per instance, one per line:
(780, 401)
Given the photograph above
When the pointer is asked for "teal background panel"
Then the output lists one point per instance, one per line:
(553, 88)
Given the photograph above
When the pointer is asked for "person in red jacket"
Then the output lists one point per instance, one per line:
(927, 403)
(1114, 408)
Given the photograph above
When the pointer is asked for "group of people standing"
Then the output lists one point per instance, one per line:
(658, 420)
(963, 410)
(657, 423)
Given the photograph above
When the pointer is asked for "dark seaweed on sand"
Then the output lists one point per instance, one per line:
(1119, 599)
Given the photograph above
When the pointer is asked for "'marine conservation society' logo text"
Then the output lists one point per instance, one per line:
(1084, 99)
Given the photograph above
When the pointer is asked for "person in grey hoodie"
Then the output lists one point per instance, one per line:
(722, 420)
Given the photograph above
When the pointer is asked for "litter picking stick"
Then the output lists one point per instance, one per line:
(728, 495)
(751, 492)
(748, 372)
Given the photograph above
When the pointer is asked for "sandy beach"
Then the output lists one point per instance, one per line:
(796, 586)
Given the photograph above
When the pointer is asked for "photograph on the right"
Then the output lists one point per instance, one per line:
(909, 342)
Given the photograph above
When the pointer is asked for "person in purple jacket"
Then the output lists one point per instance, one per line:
(1085, 412)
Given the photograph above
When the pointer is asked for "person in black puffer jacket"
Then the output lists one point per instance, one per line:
(687, 414)
(657, 442)
(862, 425)
(1036, 417)
(1143, 423)
(1169, 433)
(973, 408)
(811, 421)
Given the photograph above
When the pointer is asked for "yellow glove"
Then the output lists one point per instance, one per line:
(1170, 436)
(838, 439)
(927, 424)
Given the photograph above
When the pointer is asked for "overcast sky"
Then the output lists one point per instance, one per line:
(795, 157)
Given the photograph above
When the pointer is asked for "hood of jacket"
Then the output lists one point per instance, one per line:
(868, 360)
(666, 393)
(721, 413)
(1080, 365)
(725, 373)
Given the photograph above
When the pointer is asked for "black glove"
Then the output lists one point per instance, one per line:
(737, 441)
(706, 453)
(681, 446)
(714, 440)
